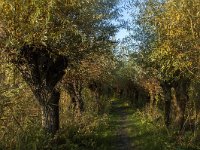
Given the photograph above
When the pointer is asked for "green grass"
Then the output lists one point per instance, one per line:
(144, 131)
(101, 132)
(108, 135)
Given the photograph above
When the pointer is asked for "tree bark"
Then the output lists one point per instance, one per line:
(96, 89)
(42, 71)
(181, 90)
(50, 113)
(168, 98)
(75, 92)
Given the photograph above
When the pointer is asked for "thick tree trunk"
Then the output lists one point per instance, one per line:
(42, 71)
(96, 89)
(181, 90)
(76, 96)
(80, 101)
(168, 98)
(50, 113)
(175, 107)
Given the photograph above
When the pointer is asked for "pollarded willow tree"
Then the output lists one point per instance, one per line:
(93, 69)
(173, 30)
(43, 38)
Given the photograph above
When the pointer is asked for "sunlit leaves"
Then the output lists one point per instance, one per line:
(175, 26)
(62, 24)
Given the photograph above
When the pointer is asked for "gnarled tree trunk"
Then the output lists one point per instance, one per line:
(75, 91)
(97, 90)
(50, 113)
(181, 90)
(42, 70)
(167, 98)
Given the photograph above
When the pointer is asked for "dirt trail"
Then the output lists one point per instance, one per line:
(123, 141)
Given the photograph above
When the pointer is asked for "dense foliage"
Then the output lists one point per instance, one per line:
(62, 74)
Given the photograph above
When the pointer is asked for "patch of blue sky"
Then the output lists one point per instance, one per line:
(127, 11)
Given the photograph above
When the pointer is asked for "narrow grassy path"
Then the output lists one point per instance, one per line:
(133, 130)
(130, 129)
(116, 136)
(119, 121)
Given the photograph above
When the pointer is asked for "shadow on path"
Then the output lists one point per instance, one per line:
(120, 123)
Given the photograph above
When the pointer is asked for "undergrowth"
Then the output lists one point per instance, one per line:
(81, 133)
(148, 132)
